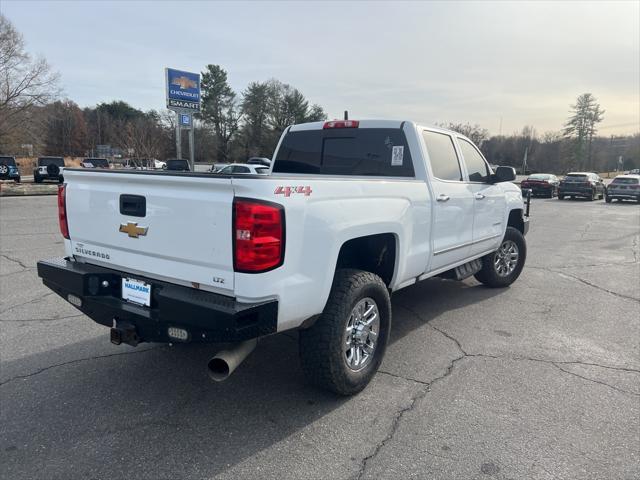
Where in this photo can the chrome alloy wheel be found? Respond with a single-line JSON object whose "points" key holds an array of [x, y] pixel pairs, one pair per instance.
{"points": [[506, 258], [361, 334]]}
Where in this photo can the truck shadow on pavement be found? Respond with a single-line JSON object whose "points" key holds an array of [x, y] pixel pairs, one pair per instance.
{"points": [[152, 412]]}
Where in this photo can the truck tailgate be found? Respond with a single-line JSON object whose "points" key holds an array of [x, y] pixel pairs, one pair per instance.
{"points": [[181, 234]]}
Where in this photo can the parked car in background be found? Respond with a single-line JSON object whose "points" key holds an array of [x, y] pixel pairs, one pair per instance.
{"points": [[95, 163], [541, 184], [581, 184], [9, 169], [624, 187], [49, 168], [635, 171], [259, 161], [244, 168], [178, 164]]}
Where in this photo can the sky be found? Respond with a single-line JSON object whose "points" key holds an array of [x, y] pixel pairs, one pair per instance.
{"points": [[502, 65]]}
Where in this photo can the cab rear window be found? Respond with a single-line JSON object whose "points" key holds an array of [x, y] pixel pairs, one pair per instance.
{"points": [[576, 178], [625, 181], [8, 161], [351, 151]]}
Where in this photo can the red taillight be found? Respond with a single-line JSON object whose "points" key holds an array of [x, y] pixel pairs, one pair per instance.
{"points": [[258, 235], [341, 124], [62, 210]]}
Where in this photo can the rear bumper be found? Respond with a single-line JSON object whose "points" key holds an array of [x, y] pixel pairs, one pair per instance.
{"points": [[539, 190], [630, 194], [207, 317], [10, 176], [575, 191]]}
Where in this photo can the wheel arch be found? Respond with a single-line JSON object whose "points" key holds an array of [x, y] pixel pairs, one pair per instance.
{"points": [[376, 253]]}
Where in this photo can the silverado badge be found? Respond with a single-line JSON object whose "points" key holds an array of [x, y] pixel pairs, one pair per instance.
{"points": [[133, 230]]}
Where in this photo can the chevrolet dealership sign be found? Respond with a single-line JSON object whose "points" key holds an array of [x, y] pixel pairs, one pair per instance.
{"points": [[183, 90]]}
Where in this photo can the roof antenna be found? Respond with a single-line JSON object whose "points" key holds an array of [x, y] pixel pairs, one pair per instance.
{"points": [[346, 115]]}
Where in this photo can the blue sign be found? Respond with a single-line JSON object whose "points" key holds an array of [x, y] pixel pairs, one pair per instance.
{"points": [[185, 119], [183, 90]]}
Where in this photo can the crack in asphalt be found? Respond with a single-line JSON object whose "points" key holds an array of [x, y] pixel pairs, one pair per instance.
{"points": [[55, 319], [593, 380], [77, 360], [395, 424], [585, 282], [556, 364], [15, 260], [420, 394], [33, 300]]}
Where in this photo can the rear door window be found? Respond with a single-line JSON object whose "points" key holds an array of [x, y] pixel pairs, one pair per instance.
{"points": [[442, 156], [476, 166], [349, 151], [625, 181], [44, 161]]}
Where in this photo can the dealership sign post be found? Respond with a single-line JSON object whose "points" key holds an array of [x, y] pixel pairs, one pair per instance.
{"points": [[183, 97]]}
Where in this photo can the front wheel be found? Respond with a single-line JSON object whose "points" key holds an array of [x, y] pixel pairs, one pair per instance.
{"points": [[560, 196], [502, 267], [343, 349], [607, 198]]}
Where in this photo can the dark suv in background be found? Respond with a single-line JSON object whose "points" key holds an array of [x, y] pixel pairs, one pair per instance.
{"points": [[95, 163], [178, 165], [581, 184], [49, 168], [9, 169]]}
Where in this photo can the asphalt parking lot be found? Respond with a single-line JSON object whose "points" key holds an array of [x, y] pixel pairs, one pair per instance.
{"points": [[540, 380]]}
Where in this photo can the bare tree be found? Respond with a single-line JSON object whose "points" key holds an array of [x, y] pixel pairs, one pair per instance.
{"points": [[24, 82], [475, 133]]}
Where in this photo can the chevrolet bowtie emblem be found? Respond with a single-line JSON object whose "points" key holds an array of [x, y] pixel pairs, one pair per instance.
{"points": [[133, 230], [184, 82]]}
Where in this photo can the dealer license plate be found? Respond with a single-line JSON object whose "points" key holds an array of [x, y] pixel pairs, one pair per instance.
{"points": [[136, 291]]}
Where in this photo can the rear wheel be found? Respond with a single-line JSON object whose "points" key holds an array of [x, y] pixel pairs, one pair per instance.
{"points": [[607, 198], [560, 196], [343, 349], [502, 267], [37, 178]]}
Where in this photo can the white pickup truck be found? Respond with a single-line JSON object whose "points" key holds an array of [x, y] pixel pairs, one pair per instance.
{"points": [[350, 212]]}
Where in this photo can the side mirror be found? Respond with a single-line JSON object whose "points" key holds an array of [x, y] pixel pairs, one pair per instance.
{"points": [[504, 174]]}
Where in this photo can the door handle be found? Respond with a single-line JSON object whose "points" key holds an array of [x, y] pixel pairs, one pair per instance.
{"points": [[479, 196], [442, 198]]}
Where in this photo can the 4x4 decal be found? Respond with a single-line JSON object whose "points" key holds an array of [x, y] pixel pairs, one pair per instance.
{"points": [[287, 191]]}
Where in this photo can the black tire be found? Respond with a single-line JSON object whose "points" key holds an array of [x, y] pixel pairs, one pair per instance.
{"points": [[37, 178], [17, 179], [560, 196], [488, 274], [322, 347], [61, 179], [607, 198]]}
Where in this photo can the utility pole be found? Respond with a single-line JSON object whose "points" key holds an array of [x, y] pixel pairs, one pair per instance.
{"points": [[178, 137]]}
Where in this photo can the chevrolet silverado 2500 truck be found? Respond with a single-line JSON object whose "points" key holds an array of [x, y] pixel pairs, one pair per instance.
{"points": [[351, 211]]}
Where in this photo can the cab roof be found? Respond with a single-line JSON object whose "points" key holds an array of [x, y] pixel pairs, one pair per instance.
{"points": [[374, 123]]}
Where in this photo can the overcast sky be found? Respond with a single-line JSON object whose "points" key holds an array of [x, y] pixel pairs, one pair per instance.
{"points": [[425, 61]]}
